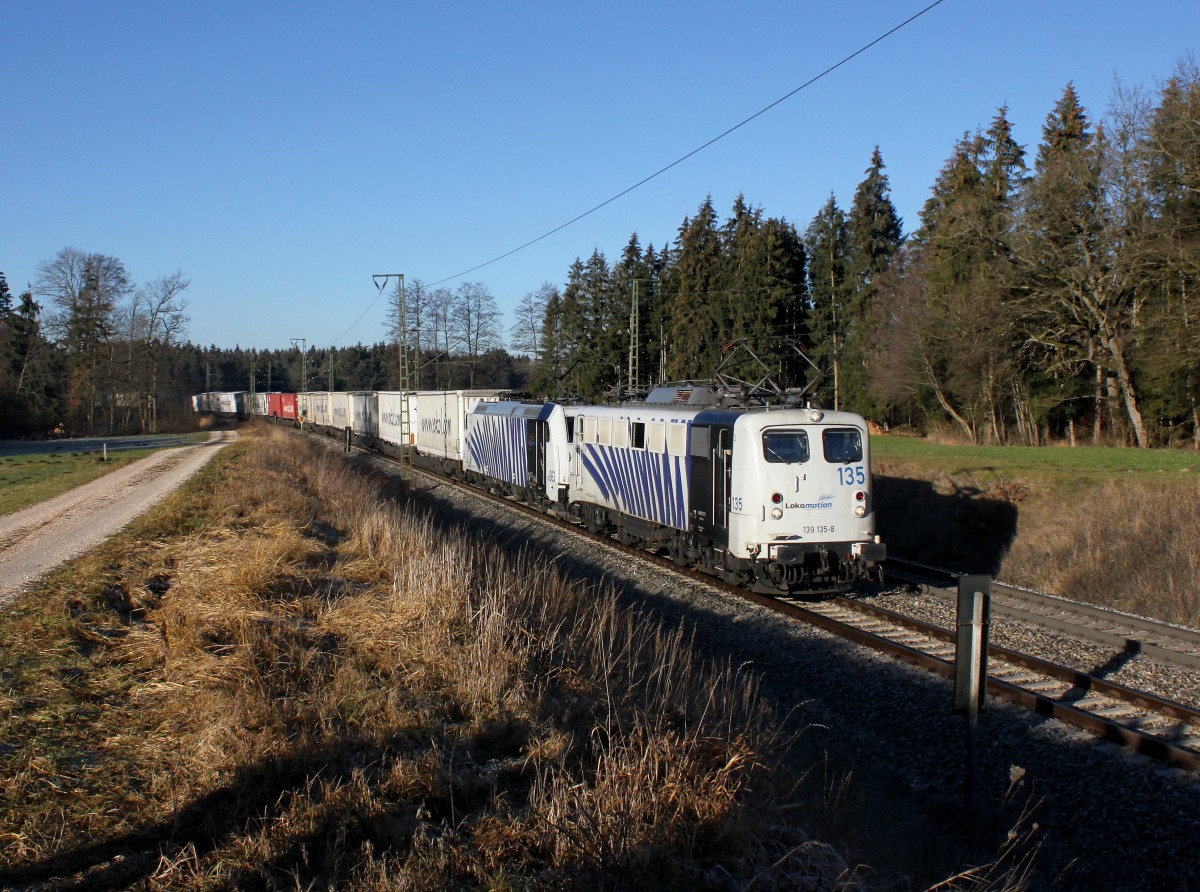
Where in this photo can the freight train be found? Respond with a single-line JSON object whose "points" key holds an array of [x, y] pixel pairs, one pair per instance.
{"points": [[778, 499]]}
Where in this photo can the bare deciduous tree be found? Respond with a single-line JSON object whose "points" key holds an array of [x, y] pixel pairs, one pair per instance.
{"points": [[84, 290], [526, 332], [159, 321]]}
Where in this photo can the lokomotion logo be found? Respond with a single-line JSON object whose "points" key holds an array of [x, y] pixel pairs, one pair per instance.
{"points": [[824, 500]]}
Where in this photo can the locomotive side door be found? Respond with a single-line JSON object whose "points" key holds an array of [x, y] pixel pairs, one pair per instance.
{"points": [[722, 467], [537, 435], [710, 446]]}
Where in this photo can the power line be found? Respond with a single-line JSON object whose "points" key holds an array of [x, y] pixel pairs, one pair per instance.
{"points": [[808, 83], [696, 151]]}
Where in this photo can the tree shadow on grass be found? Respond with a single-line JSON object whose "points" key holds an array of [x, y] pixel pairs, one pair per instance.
{"points": [[967, 530]]}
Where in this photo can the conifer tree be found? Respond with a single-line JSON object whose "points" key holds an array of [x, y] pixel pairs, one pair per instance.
{"points": [[550, 368], [742, 302], [874, 238], [827, 244], [693, 346], [1169, 348], [1080, 253], [635, 287], [6, 304], [965, 353]]}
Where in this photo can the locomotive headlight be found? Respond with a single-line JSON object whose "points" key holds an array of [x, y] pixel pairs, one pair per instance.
{"points": [[776, 513], [860, 510], [815, 415], [753, 548]]}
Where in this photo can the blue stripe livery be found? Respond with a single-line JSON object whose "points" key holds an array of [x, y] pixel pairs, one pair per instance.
{"points": [[649, 485], [496, 444]]}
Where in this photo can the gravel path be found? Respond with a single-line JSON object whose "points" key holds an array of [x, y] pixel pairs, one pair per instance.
{"points": [[1100, 818], [36, 540]]}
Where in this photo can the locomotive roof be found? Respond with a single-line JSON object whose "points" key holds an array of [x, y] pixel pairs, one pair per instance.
{"points": [[537, 411]]}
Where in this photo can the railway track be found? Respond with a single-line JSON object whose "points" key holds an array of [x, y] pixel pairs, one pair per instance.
{"points": [[1136, 720], [1132, 635], [1144, 723]]}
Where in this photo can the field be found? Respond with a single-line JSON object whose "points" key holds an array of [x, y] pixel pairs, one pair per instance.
{"points": [[1116, 527], [290, 676], [28, 479], [1051, 466]]}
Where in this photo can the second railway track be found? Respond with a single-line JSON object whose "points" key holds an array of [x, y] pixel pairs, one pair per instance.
{"points": [[1135, 635]]}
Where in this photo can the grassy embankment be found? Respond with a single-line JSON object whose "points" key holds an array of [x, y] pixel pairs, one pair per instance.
{"points": [[279, 678], [1113, 526]]}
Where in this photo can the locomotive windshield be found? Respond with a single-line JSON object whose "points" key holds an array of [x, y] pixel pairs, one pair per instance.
{"points": [[785, 447], [842, 445]]}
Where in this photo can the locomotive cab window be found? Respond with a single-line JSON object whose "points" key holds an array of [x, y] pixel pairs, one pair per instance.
{"points": [[785, 447], [842, 445]]}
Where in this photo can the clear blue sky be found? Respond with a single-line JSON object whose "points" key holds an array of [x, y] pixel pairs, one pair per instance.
{"points": [[280, 154]]}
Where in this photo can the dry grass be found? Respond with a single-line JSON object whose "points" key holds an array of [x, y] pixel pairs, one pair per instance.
{"points": [[1132, 547], [1080, 529], [283, 680]]}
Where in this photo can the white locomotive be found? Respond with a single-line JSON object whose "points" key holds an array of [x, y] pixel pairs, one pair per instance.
{"points": [[775, 498]]}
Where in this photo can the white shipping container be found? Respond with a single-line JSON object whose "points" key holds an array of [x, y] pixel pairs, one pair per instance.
{"points": [[436, 419], [318, 403], [363, 413], [339, 408], [439, 419], [388, 418]]}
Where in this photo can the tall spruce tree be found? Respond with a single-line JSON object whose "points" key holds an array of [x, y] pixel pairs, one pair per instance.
{"points": [[827, 244], [590, 328], [6, 301], [693, 347], [1081, 250], [874, 238], [966, 351], [744, 297], [634, 289], [1168, 349], [1059, 231]]}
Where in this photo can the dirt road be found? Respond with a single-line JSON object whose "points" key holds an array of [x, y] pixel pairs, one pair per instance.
{"points": [[39, 538]]}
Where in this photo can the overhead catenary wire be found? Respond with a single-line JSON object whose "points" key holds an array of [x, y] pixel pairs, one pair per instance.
{"points": [[762, 111], [808, 83]]}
